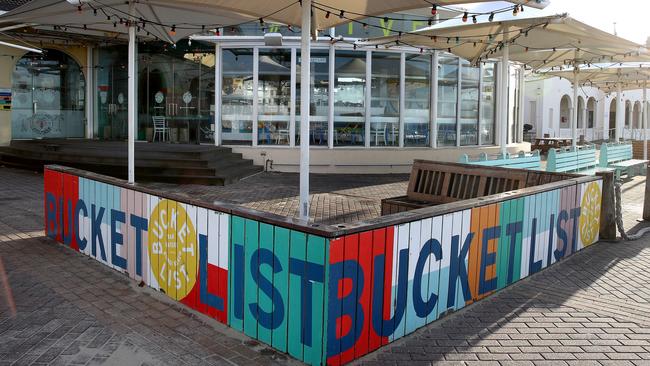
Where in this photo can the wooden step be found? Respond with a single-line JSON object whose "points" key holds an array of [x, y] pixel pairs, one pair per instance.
{"points": [[158, 162]]}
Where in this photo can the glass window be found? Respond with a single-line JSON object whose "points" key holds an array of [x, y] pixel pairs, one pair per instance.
{"points": [[176, 89], [384, 106], [318, 111], [111, 75], [205, 95], [349, 98], [237, 96], [488, 101], [469, 96], [417, 98], [274, 96], [447, 100], [48, 97]]}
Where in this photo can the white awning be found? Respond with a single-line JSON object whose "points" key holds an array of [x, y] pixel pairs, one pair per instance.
{"points": [[192, 16], [606, 78], [538, 42]]}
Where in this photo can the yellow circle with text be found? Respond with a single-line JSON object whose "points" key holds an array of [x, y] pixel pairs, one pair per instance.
{"points": [[590, 214], [172, 248]]}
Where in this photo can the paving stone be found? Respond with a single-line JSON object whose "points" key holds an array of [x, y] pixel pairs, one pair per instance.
{"points": [[590, 308], [71, 309]]}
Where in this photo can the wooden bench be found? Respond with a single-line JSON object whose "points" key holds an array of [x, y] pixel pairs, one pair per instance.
{"points": [[520, 161], [619, 157], [433, 183], [580, 160]]}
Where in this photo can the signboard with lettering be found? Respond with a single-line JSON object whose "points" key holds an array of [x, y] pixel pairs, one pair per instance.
{"points": [[5, 99], [322, 300]]}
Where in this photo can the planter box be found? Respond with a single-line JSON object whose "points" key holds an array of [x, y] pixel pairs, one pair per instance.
{"points": [[289, 283]]}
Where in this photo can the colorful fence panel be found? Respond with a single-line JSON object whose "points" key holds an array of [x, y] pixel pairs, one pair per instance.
{"points": [[321, 299]]}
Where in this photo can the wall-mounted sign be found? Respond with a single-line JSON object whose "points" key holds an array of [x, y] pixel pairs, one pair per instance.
{"points": [[5, 99]]}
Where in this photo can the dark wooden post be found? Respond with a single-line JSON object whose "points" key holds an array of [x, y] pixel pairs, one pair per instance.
{"points": [[646, 198], [608, 209]]}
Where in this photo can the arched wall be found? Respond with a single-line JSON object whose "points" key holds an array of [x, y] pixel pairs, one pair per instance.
{"points": [[9, 56]]}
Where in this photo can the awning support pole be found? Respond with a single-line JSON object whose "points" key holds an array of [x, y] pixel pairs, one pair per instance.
{"points": [[131, 103], [503, 93], [644, 120], [620, 114], [574, 110], [305, 88]]}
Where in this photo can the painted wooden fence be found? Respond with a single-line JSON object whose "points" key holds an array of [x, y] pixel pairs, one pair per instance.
{"points": [[322, 295]]}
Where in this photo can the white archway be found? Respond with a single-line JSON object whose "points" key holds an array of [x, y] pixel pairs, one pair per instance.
{"points": [[565, 112], [591, 112], [636, 115]]}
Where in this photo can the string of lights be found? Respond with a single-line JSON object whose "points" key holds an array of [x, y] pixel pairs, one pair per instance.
{"points": [[117, 16], [341, 13]]}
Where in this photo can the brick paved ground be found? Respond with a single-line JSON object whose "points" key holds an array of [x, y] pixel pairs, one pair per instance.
{"points": [[590, 309], [334, 199], [73, 310]]}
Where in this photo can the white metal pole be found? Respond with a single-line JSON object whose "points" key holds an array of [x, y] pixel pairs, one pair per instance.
{"points": [[131, 103], [644, 121], [90, 82], [620, 114], [292, 99], [305, 77], [434, 102], [218, 57], [583, 111], [574, 110], [503, 98]]}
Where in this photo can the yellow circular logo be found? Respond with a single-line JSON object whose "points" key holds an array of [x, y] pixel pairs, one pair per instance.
{"points": [[172, 249], [590, 214]]}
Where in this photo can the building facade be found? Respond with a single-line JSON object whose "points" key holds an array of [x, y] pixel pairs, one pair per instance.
{"points": [[548, 103], [372, 110]]}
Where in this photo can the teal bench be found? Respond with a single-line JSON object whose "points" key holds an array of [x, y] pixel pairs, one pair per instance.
{"points": [[580, 160], [520, 161], [619, 157]]}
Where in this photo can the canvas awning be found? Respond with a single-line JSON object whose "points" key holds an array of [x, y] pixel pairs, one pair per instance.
{"points": [[606, 78], [104, 17], [538, 42], [194, 16]]}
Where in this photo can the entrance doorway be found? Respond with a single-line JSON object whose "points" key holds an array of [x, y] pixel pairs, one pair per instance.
{"points": [[48, 97]]}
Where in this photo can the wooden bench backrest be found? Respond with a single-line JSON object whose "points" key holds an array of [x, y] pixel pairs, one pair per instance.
{"points": [[442, 183], [571, 159], [612, 153], [520, 161]]}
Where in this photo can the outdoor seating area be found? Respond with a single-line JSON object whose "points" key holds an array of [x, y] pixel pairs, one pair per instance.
{"points": [[587, 160], [323, 179]]}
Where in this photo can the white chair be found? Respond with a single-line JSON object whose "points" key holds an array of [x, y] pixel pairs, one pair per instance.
{"points": [[282, 134], [160, 128]]}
